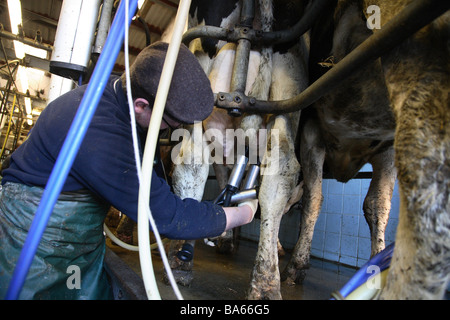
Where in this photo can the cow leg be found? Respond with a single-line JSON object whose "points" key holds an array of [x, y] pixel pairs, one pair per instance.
{"points": [[274, 193], [420, 267], [312, 157], [377, 203], [417, 76], [217, 124], [189, 178], [280, 170], [125, 229], [181, 270]]}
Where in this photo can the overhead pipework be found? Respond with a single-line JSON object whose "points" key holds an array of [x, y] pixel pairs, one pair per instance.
{"points": [[411, 19]]}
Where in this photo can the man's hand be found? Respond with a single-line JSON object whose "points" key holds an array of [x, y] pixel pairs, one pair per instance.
{"points": [[240, 215], [253, 204]]}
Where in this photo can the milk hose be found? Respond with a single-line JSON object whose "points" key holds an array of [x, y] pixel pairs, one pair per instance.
{"points": [[126, 245], [69, 149], [358, 282], [144, 213], [148, 273], [369, 292]]}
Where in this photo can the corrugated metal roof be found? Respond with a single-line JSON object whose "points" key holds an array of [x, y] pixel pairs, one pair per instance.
{"points": [[157, 15], [43, 15], [40, 17]]}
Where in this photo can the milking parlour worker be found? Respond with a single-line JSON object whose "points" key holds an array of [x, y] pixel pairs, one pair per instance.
{"points": [[103, 174]]}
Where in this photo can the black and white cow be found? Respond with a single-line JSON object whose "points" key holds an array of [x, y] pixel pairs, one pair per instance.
{"points": [[273, 74], [414, 81], [347, 128], [417, 75]]}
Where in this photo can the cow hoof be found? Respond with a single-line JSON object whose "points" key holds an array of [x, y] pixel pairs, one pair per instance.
{"points": [[294, 277], [269, 294], [225, 246], [182, 277]]}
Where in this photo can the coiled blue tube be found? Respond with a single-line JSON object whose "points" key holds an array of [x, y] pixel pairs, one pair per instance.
{"points": [[382, 260], [70, 148]]}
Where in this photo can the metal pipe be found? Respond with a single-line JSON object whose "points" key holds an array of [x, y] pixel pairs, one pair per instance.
{"points": [[251, 177], [206, 32], [244, 195], [241, 60], [305, 23], [257, 37], [247, 13], [411, 19], [238, 172], [103, 26], [240, 68], [28, 41]]}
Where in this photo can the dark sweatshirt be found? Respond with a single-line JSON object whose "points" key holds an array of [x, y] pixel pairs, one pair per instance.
{"points": [[105, 165]]}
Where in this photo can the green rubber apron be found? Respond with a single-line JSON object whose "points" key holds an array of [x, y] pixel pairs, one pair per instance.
{"points": [[69, 260]]}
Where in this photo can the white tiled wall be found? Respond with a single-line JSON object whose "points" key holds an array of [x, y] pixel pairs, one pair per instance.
{"points": [[341, 233]]}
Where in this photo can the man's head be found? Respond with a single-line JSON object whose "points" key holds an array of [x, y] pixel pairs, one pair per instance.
{"points": [[190, 97]]}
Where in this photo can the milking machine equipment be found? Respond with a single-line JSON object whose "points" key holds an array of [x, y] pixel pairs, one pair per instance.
{"points": [[410, 20], [235, 192], [74, 38]]}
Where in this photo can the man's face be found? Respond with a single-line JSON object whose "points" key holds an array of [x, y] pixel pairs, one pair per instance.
{"points": [[143, 112], [169, 122]]}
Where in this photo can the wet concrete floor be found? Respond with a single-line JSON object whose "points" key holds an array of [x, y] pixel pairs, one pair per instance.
{"points": [[227, 277]]}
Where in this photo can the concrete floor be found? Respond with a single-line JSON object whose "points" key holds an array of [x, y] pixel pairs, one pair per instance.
{"points": [[226, 277]]}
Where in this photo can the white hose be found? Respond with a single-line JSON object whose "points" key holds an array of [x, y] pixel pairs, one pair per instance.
{"points": [[367, 292], [144, 212], [125, 245], [144, 245], [117, 241]]}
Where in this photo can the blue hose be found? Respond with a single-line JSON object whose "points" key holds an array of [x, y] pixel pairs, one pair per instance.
{"points": [[70, 148], [382, 260]]}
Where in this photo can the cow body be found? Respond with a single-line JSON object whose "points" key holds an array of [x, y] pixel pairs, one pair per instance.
{"points": [[417, 74], [273, 74], [402, 97], [190, 174], [415, 79], [347, 128]]}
